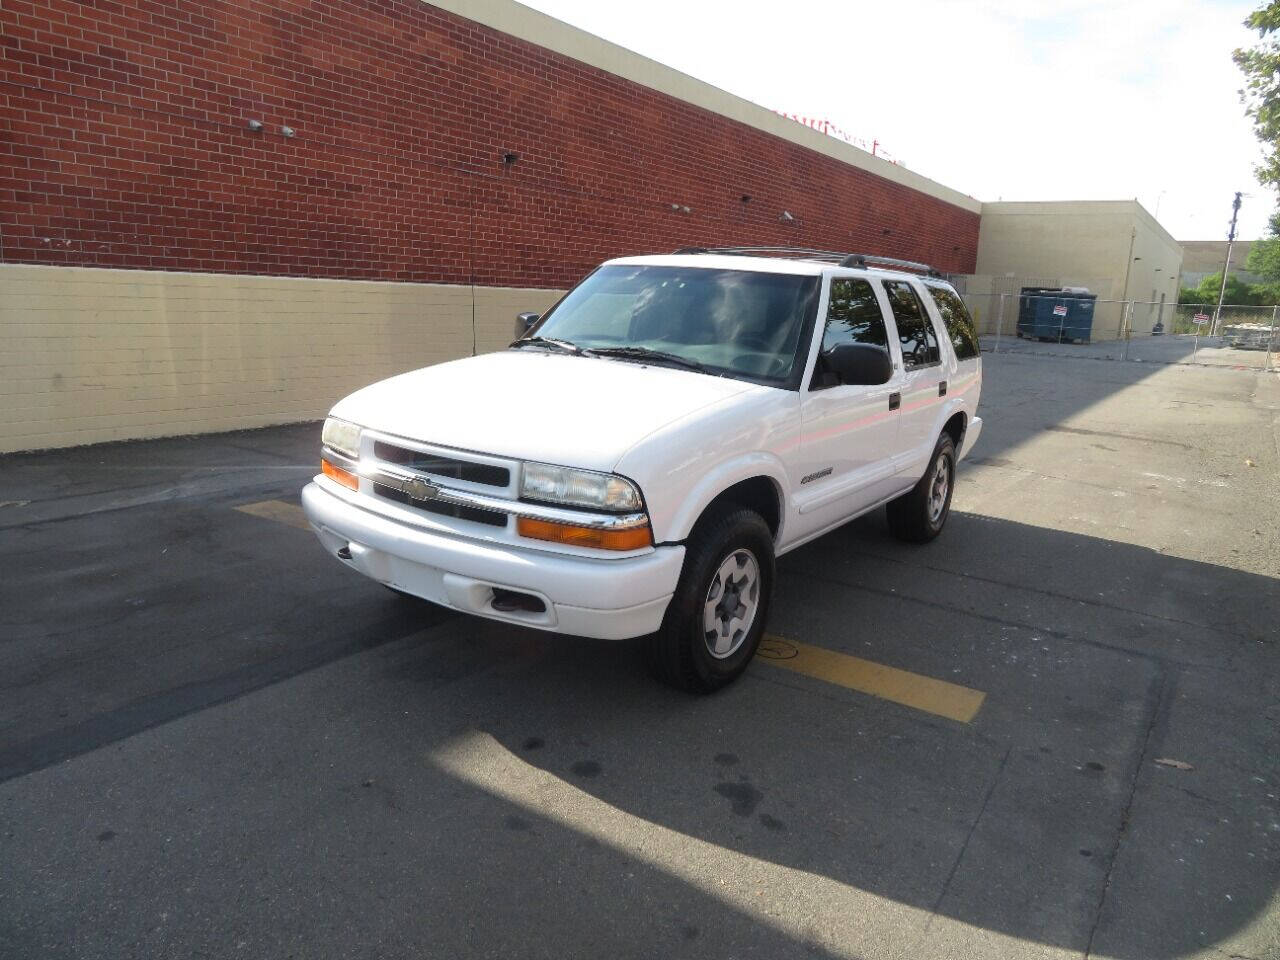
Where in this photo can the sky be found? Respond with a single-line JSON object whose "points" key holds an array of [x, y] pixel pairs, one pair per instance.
{"points": [[1002, 100]]}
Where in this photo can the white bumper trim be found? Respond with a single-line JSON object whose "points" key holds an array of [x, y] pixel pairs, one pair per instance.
{"points": [[602, 598], [971, 435]]}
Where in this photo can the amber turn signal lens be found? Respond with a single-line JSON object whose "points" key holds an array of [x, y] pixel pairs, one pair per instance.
{"points": [[338, 475], [632, 538]]}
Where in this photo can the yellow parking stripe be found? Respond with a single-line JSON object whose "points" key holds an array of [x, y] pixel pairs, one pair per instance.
{"points": [[938, 697], [277, 510]]}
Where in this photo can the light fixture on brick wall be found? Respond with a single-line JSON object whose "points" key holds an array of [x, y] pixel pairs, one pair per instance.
{"points": [[680, 208], [787, 217], [288, 131], [255, 126]]}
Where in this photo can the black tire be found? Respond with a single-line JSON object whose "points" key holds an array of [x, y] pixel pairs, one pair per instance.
{"points": [[914, 516], [680, 652]]}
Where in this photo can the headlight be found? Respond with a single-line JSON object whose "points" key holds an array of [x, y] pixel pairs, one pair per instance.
{"points": [[579, 488], [342, 437]]}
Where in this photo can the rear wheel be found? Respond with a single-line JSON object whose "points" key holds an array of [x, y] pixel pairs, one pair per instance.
{"points": [[716, 617], [920, 514]]}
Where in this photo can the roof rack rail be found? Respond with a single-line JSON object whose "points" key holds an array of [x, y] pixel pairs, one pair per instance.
{"points": [[855, 260], [871, 260]]}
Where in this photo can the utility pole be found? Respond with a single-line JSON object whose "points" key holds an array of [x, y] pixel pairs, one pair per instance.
{"points": [[1231, 239], [1124, 311]]}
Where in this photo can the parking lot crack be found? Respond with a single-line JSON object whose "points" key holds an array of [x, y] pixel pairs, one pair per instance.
{"points": [[1002, 463], [1081, 431], [1048, 631], [973, 827], [1162, 697]]}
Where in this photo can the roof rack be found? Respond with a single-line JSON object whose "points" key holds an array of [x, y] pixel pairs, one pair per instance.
{"points": [[856, 260]]}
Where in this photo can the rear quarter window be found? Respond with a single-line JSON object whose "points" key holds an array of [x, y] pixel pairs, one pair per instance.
{"points": [[955, 317]]}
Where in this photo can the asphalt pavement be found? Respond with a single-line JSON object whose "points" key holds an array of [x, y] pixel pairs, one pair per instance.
{"points": [[1182, 348], [1050, 733]]}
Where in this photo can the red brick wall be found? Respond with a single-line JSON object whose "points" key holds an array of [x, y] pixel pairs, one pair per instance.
{"points": [[125, 144]]}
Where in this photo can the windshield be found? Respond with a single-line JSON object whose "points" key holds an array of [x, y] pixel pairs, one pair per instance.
{"points": [[735, 323]]}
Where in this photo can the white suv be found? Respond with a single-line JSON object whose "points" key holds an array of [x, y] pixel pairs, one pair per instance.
{"points": [[633, 465]]}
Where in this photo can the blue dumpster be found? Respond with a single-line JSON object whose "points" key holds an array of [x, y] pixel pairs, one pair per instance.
{"points": [[1063, 315]]}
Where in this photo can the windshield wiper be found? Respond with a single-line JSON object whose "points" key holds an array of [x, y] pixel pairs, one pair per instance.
{"points": [[564, 346], [644, 353]]}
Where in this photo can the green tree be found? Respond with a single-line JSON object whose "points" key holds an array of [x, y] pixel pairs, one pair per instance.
{"points": [[1239, 293], [1261, 94], [1264, 255]]}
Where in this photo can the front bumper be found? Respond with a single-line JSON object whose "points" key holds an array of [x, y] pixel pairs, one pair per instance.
{"points": [[583, 596]]}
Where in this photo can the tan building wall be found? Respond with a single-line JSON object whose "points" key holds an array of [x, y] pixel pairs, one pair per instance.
{"points": [[1114, 248], [88, 355], [1202, 258]]}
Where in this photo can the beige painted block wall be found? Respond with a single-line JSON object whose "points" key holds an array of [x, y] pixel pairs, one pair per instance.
{"points": [[496, 310], [1087, 244], [88, 355]]}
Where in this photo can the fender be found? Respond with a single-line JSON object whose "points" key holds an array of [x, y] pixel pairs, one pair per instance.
{"points": [[677, 526], [949, 410], [914, 461]]}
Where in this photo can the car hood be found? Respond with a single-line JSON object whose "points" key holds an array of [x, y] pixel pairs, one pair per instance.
{"points": [[534, 405]]}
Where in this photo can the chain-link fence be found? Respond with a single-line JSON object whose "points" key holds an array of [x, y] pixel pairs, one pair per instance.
{"points": [[1071, 322]]}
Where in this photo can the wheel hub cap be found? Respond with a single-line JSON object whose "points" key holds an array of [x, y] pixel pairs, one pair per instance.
{"points": [[731, 603], [938, 488]]}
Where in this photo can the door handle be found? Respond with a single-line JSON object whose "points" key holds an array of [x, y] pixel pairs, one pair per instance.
{"points": [[895, 401], [942, 388]]}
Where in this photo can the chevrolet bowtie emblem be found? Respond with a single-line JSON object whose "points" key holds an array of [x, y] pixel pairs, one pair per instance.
{"points": [[419, 489]]}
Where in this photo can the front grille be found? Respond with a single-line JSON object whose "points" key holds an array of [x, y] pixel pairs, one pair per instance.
{"points": [[441, 466], [489, 517]]}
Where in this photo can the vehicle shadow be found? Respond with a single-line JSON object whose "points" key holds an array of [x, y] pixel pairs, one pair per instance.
{"points": [[1025, 393], [1163, 350], [1047, 819]]}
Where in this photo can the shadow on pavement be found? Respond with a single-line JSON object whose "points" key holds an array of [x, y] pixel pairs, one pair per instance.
{"points": [[1013, 825], [1025, 395], [1165, 349], [595, 812]]}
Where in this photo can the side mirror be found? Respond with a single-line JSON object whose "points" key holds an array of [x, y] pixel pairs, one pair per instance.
{"points": [[525, 321], [859, 364]]}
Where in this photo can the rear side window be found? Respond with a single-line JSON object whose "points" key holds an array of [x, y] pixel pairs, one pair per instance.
{"points": [[919, 342], [955, 317]]}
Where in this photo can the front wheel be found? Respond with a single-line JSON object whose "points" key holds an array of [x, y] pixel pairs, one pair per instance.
{"points": [[716, 617], [920, 514]]}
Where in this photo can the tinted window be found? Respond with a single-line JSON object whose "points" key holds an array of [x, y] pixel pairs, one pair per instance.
{"points": [[964, 337], [919, 342], [853, 316], [738, 323]]}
